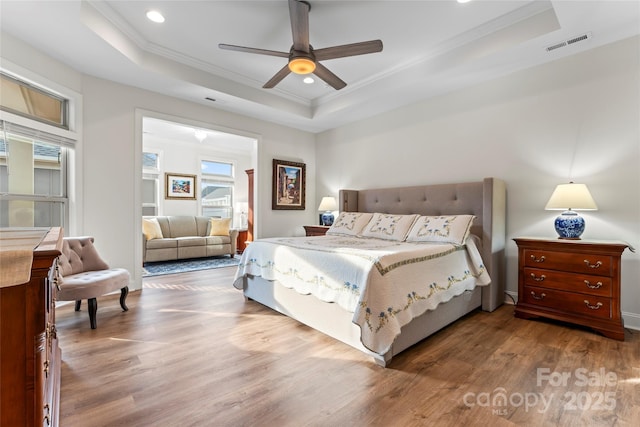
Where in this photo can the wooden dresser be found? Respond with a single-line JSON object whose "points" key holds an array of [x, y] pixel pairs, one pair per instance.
{"points": [[576, 281], [30, 357]]}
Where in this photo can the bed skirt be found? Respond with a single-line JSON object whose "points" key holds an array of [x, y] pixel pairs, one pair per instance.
{"points": [[314, 313]]}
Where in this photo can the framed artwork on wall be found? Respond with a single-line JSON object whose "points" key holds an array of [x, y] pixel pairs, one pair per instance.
{"points": [[289, 180], [180, 186]]}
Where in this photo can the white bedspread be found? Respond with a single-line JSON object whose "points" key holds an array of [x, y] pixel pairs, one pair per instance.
{"points": [[384, 283]]}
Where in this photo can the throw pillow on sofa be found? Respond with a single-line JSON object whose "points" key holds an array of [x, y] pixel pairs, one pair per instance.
{"points": [[151, 228], [219, 226]]}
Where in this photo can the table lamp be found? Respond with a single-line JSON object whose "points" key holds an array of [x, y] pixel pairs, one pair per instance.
{"points": [[327, 205], [569, 198]]}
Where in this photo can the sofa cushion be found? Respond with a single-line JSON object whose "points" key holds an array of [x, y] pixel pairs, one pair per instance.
{"points": [[182, 226], [165, 243], [191, 241], [218, 240], [151, 228], [219, 226]]}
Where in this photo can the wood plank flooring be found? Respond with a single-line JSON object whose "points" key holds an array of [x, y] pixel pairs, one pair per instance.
{"points": [[191, 352]]}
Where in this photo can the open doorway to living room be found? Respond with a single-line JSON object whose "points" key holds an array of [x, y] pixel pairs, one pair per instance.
{"points": [[193, 170]]}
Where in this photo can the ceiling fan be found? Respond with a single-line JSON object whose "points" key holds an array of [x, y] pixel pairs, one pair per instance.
{"points": [[303, 58]]}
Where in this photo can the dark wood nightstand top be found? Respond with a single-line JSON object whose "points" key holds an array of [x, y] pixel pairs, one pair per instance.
{"points": [[316, 230]]}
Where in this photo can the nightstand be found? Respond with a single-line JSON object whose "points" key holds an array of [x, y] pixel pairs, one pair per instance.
{"points": [[576, 281], [241, 242], [316, 230]]}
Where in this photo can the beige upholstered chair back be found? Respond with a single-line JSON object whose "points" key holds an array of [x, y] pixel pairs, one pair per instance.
{"points": [[78, 255]]}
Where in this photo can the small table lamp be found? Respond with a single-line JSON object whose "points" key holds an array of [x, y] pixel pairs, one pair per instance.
{"points": [[243, 207], [570, 197], [328, 205]]}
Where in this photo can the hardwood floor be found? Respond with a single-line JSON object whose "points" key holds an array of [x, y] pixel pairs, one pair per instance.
{"points": [[191, 352]]}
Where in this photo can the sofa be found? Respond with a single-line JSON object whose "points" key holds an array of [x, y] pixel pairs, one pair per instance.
{"points": [[167, 238]]}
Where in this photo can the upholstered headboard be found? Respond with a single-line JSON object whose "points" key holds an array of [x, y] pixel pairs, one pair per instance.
{"points": [[485, 199]]}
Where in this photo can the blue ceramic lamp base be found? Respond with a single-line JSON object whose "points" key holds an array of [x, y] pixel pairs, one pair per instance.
{"points": [[569, 225], [327, 218]]}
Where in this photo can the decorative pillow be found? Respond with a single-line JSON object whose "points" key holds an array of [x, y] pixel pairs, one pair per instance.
{"points": [[219, 226], [350, 223], [151, 228], [389, 227], [444, 229]]}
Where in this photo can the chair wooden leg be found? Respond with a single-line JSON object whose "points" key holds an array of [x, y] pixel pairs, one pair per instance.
{"points": [[78, 305], [123, 296], [93, 309]]}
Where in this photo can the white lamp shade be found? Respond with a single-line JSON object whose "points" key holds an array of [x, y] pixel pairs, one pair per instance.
{"points": [[328, 204], [242, 207], [571, 197]]}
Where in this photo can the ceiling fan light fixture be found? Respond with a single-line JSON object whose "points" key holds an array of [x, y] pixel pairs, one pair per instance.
{"points": [[302, 65]]}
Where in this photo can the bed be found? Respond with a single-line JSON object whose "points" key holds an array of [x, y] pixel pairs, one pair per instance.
{"points": [[345, 313]]}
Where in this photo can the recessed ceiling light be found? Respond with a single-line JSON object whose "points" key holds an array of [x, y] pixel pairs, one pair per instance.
{"points": [[464, 1], [155, 16], [200, 135], [308, 80]]}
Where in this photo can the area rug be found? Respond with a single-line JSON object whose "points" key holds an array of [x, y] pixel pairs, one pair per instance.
{"points": [[182, 266]]}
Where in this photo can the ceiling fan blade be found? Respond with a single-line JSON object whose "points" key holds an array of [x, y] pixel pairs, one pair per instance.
{"points": [[253, 50], [352, 49], [299, 14], [284, 72], [330, 78]]}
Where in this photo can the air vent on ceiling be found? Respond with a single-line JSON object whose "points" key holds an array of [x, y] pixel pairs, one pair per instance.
{"points": [[569, 42]]}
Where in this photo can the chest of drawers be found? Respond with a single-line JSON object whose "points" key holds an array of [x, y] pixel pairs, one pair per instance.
{"points": [[29, 351], [575, 281]]}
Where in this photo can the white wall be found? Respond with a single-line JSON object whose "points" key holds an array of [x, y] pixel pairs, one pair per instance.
{"points": [[577, 118], [108, 156], [184, 157], [112, 184]]}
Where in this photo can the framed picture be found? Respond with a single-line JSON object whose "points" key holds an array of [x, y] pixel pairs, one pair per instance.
{"points": [[289, 180], [179, 186]]}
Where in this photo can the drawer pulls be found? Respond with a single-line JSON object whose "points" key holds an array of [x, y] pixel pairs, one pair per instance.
{"points": [[593, 307], [542, 277], [536, 259], [542, 258], [596, 265], [542, 295], [598, 285], [47, 415]]}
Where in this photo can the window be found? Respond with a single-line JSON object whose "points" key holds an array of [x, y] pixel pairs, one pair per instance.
{"points": [[216, 189], [23, 99], [151, 161], [32, 177], [150, 183]]}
